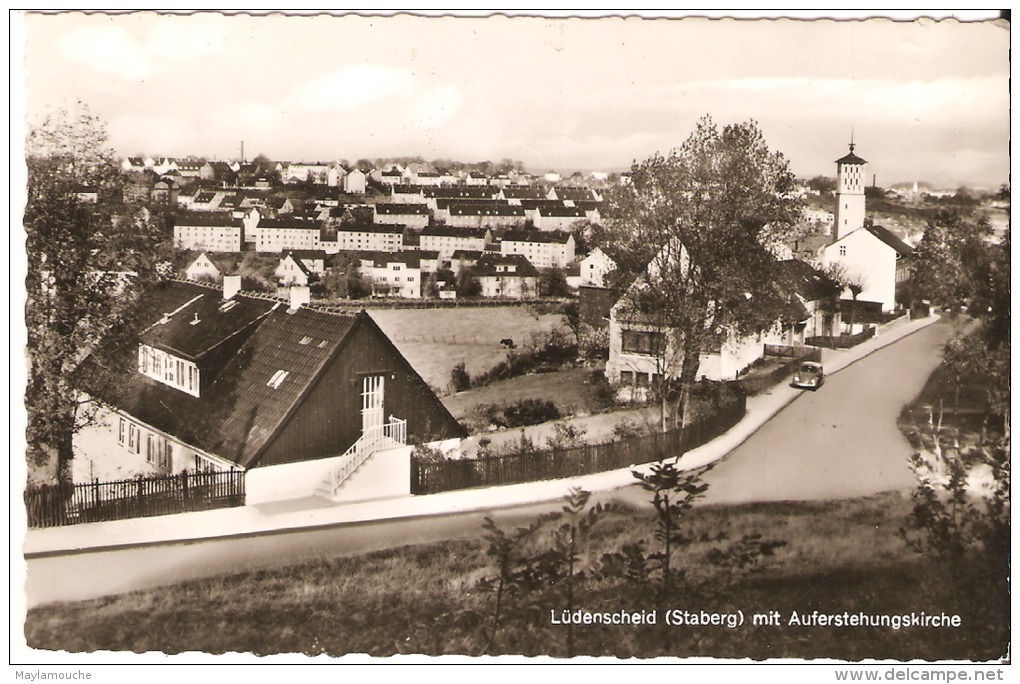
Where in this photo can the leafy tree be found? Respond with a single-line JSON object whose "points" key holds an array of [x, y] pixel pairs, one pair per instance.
{"points": [[344, 280], [694, 229], [77, 252], [468, 284], [553, 283], [952, 262]]}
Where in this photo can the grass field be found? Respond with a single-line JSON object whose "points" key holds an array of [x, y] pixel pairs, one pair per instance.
{"points": [[839, 556], [436, 340]]}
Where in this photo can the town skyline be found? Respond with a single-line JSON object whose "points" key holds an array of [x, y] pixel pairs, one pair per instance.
{"points": [[928, 101]]}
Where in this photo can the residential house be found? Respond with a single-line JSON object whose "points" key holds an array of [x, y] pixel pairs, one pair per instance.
{"points": [[284, 234], [464, 258], [294, 396], [407, 194], [878, 259], [448, 239], [515, 193], [355, 182], [483, 215], [595, 267], [214, 232], [507, 276], [392, 274], [357, 237], [392, 176], [552, 249], [558, 218], [410, 215], [190, 169], [301, 267], [212, 266], [206, 201], [476, 178]]}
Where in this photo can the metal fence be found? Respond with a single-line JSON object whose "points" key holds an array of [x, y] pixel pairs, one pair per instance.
{"points": [[56, 505], [553, 464]]}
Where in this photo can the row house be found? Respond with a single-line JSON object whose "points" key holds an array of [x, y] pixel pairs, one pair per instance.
{"points": [[508, 276], [574, 194], [448, 239], [476, 178], [552, 249], [190, 169], [223, 380], [410, 215], [482, 215], [407, 194], [356, 237], [321, 173], [391, 176], [558, 218], [458, 192], [281, 235], [213, 232], [515, 193]]}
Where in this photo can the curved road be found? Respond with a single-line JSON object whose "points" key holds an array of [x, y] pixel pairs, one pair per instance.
{"points": [[838, 442]]}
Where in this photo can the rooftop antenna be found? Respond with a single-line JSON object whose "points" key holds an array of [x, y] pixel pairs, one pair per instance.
{"points": [[851, 138], [242, 151]]}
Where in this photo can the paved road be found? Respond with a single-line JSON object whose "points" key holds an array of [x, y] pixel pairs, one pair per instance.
{"points": [[839, 442]]}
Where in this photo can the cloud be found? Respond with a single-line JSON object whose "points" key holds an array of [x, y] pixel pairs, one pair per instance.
{"points": [[437, 107], [107, 49], [351, 88]]}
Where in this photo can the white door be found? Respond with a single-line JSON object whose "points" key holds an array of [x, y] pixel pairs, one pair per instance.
{"points": [[372, 404]]}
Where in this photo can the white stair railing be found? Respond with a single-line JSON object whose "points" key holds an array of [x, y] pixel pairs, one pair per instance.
{"points": [[392, 433]]}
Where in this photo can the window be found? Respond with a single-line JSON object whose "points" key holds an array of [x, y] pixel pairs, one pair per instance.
{"points": [[640, 342], [121, 432], [627, 377], [277, 379], [150, 449], [132, 438], [842, 249]]}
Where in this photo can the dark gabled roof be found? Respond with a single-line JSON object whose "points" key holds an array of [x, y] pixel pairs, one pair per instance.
{"points": [[174, 309], [462, 192], [562, 212], [806, 280], [454, 231], [225, 262], [307, 253], [292, 223], [383, 259], [484, 209], [370, 228], [242, 411], [204, 197], [297, 261], [538, 236], [399, 209], [540, 203], [486, 265], [208, 218], [568, 193], [525, 192], [407, 189], [231, 201], [888, 238], [467, 254]]}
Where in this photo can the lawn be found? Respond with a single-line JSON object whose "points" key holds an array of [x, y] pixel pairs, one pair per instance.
{"points": [[433, 598], [436, 340], [571, 390]]}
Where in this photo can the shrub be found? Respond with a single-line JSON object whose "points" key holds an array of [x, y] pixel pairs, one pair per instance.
{"points": [[566, 435], [460, 380], [517, 414]]}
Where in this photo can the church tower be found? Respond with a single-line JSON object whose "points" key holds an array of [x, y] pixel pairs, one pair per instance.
{"points": [[849, 195]]}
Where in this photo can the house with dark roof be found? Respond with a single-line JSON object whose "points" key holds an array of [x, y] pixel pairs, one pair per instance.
{"points": [[314, 402], [544, 249], [212, 266], [448, 239], [509, 276], [401, 213], [300, 267]]}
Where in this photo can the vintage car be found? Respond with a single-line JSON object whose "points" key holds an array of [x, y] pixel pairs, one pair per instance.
{"points": [[809, 376]]}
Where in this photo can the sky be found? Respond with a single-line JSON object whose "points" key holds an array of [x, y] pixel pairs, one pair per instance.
{"points": [[923, 100]]}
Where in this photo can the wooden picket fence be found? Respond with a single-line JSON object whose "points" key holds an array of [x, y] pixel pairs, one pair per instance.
{"points": [[553, 464], [57, 505], [842, 341]]}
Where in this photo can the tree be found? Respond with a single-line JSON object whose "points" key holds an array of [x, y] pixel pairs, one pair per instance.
{"points": [[952, 261], [695, 227], [468, 284], [553, 283], [78, 251]]}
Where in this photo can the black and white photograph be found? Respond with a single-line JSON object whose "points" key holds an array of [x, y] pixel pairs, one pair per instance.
{"points": [[505, 338]]}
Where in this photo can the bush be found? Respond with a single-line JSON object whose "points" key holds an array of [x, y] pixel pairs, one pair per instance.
{"points": [[517, 414], [460, 380], [545, 355]]}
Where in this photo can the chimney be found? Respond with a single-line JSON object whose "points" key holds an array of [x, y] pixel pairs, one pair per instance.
{"points": [[231, 286], [299, 296]]}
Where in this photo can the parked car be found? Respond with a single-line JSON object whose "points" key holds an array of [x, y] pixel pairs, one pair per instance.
{"points": [[809, 376]]}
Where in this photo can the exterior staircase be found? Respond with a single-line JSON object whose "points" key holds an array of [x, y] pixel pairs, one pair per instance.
{"points": [[385, 436]]}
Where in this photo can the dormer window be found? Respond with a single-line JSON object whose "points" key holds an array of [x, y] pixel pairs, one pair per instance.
{"points": [[168, 369]]}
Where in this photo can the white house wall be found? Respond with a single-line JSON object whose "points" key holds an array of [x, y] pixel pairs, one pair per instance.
{"points": [[872, 260]]}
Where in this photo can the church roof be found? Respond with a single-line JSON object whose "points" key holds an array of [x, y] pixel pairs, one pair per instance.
{"points": [[851, 158]]}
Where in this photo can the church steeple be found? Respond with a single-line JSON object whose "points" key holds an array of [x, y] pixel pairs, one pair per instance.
{"points": [[849, 193]]}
